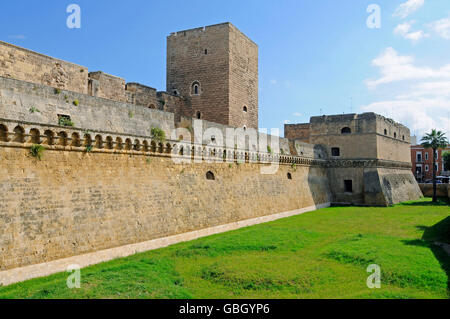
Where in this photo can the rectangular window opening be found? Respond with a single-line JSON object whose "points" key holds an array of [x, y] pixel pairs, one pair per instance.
{"points": [[348, 186]]}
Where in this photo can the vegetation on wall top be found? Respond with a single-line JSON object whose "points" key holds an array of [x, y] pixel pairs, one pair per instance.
{"points": [[158, 134]]}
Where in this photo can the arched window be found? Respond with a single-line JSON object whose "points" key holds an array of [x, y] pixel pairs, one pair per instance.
{"points": [[75, 139], [199, 115], [3, 133], [49, 137], [395, 135], [98, 141], [346, 130], [385, 132], [210, 176], [109, 142], [195, 88], [128, 144], [62, 138], [119, 144], [19, 134], [289, 175], [152, 106], [245, 109], [35, 136]]}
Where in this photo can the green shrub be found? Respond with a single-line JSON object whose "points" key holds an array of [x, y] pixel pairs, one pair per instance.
{"points": [[63, 121], [89, 148], [37, 151], [269, 149], [76, 102], [158, 134], [33, 110], [57, 91], [130, 115]]}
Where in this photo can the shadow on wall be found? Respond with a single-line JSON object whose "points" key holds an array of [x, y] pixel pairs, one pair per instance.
{"points": [[319, 186], [439, 232]]}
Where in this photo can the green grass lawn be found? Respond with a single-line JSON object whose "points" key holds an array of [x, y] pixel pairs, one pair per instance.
{"points": [[321, 254]]}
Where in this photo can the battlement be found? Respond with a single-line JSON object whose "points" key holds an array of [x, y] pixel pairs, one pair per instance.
{"points": [[205, 29]]}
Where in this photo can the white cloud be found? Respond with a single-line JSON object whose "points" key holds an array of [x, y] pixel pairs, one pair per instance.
{"points": [[394, 67], [408, 7], [441, 27], [423, 101], [297, 114], [273, 82], [287, 122], [404, 29], [428, 89], [420, 115]]}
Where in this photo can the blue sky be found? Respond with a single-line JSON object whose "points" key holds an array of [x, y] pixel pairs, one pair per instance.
{"points": [[315, 57]]}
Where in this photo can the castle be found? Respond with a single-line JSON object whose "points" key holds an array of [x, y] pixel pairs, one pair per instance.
{"points": [[107, 187]]}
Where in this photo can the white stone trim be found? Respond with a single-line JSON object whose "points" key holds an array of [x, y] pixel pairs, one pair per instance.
{"points": [[12, 276]]}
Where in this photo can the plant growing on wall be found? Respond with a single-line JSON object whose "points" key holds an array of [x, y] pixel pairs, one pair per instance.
{"points": [[130, 114], [294, 166], [76, 102], [63, 121], [158, 134], [33, 110], [57, 91], [89, 148], [269, 149], [37, 151]]}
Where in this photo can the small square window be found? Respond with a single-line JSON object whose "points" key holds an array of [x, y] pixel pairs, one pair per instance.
{"points": [[335, 151]]}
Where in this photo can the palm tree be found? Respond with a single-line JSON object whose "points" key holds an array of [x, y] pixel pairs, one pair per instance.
{"points": [[435, 140]]}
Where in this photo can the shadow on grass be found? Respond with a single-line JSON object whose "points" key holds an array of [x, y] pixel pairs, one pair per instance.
{"points": [[442, 201], [439, 232]]}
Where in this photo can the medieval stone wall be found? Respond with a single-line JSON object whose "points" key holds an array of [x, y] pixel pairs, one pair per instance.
{"points": [[107, 86], [26, 65], [299, 132], [72, 202], [41, 104], [243, 80], [223, 62]]}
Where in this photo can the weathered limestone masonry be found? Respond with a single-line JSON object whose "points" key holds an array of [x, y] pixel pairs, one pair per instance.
{"points": [[73, 202], [217, 68], [107, 188], [442, 190], [369, 157], [26, 65]]}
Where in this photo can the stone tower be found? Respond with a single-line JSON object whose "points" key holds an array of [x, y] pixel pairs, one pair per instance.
{"points": [[216, 69]]}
